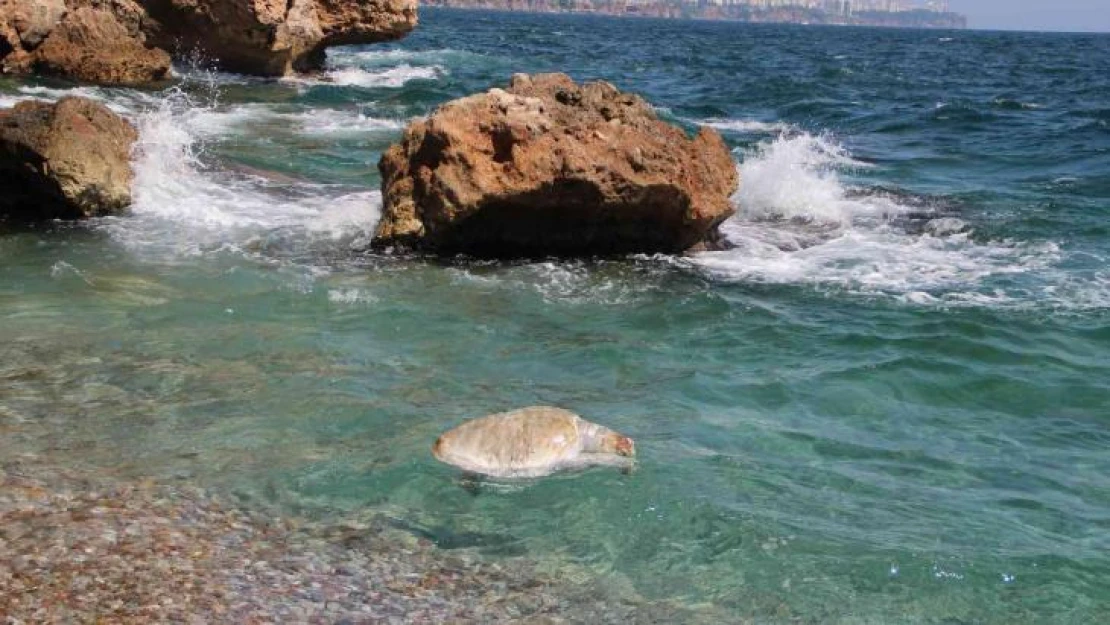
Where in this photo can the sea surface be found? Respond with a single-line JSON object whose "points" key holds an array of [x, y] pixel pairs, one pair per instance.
{"points": [[889, 403]]}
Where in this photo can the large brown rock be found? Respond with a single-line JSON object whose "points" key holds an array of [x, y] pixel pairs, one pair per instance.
{"points": [[25, 23], [63, 161], [275, 37], [98, 45], [91, 40], [130, 41], [548, 167]]}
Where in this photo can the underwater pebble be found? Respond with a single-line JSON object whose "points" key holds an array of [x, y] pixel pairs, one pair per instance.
{"points": [[142, 553]]}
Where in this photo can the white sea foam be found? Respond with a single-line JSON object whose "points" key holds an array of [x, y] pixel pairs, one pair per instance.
{"points": [[173, 182], [345, 66], [565, 282], [798, 223], [391, 77], [374, 55], [127, 102], [344, 122], [747, 126], [183, 205], [351, 296], [8, 100], [45, 94], [214, 122], [798, 177], [375, 69]]}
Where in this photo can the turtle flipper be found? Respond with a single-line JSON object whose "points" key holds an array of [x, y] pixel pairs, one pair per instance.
{"points": [[471, 483], [624, 464]]}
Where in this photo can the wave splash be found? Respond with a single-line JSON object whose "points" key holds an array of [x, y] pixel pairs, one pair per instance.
{"points": [[387, 78], [799, 222], [186, 202], [358, 67]]}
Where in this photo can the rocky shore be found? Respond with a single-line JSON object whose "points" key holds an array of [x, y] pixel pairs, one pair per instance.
{"points": [[544, 167], [80, 549]]}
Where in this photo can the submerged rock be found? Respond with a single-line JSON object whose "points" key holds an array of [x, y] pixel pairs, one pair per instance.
{"points": [[130, 41], [63, 161], [550, 167]]}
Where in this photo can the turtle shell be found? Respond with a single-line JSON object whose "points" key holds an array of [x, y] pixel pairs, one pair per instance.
{"points": [[526, 442]]}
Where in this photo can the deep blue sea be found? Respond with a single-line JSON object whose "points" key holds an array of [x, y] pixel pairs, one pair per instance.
{"points": [[889, 403]]}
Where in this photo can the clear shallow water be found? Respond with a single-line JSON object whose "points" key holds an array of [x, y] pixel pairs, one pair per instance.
{"points": [[890, 403]]}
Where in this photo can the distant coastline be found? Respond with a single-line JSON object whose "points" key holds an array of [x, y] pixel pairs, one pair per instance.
{"points": [[888, 13]]}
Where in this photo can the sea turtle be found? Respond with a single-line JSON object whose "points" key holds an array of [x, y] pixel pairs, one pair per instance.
{"points": [[531, 442]]}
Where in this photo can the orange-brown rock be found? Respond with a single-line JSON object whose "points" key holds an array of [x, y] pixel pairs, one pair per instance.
{"points": [[130, 41], [549, 167], [91, 40], [23, 26], [276, 37], [63, 161], [103, 46]]}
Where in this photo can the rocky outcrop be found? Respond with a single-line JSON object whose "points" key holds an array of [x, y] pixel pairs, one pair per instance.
{"points": [[549, 167], [63, 161], [130, 41], [25, 23], [273, 38], [95, 45], [85, 40]]}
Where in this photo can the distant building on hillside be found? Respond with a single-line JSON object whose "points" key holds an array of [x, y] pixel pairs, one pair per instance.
{"points": [[897, 13]]}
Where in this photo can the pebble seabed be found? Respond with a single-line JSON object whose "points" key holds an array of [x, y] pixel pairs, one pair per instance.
{"points": [[79, 550]]}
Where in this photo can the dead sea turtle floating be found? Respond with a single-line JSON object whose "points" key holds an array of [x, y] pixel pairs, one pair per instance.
{"points": [[532, 442]]}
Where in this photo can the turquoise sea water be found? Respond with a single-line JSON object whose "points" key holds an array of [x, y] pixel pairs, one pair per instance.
{"points": [[890, 403]]}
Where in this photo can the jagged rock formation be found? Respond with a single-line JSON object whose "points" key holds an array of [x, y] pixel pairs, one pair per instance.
{"points": [[549, 167], [275, 37], [63, 161], [87, 40], [130, 41]]}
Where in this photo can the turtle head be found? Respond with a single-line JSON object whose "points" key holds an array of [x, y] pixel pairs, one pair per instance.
{"points": [[619, 444], [623, 445], [600, 439]]}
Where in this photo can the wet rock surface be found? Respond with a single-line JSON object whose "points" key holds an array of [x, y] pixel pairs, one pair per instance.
{"points": [[64, 160], [275, 38], [130, 42], [87, 40], [550, 167], [94, 45]]}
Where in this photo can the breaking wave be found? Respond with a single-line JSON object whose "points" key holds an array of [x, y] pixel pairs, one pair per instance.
{"points": [[800, 222], [390, 78], [747, 126], [177, 190], [801, 219]]}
